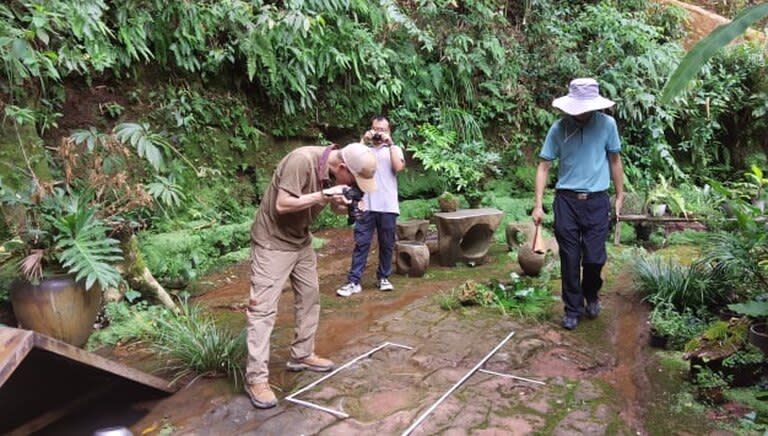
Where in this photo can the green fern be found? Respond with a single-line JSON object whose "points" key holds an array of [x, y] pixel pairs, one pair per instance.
{"points": [[146, 143], [85, 251], [166, 191]]}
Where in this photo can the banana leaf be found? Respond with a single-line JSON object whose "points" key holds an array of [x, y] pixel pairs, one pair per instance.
{"points": [[707, 47]]}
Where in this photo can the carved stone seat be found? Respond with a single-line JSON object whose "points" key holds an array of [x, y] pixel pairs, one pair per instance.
{"points": [[411, 258], [466, 235], [413, 230]]}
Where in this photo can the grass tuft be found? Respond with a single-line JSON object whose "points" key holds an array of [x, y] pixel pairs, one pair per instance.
{"points": [[195, 344]]}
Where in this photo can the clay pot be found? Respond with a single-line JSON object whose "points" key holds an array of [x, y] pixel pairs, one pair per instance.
{"points": [[58, 307], [450, 204], [531, 262]]}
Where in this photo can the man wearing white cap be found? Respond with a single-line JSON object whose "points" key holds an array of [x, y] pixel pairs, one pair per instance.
{"points": [[305, 181], [586, 143]]}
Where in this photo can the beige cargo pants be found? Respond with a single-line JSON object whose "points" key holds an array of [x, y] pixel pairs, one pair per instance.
{"points": [[269, 271]]}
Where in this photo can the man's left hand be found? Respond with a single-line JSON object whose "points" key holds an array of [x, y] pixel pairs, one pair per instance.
{"points": [[618, 203]]}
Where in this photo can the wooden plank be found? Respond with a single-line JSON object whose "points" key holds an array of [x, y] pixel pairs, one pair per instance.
{"points": [[63, 349], [656, 219], [15, 344]]}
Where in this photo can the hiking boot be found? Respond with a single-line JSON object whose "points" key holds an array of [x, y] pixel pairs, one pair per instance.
{"points": [[261, 395], [348, 289], [313, 362], [569, 322], [385, 285], [593, 309]]}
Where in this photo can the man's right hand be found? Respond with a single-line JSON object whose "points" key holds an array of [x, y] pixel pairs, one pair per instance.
{"points": [[537, 215], [335, 195]]}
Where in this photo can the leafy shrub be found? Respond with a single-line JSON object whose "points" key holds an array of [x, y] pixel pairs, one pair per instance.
{"points": [[523, 179], [736, 259], [687, 237], [329, 220], [185, 254], [414, 183], [678, 327], [462, 166], [416, 209], [128, 322]]}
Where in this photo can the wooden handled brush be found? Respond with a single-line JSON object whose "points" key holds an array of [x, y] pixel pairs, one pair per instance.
{"points": [[537, 244]]}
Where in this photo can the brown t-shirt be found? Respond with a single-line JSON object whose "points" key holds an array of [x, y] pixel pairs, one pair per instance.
{"points": [[297, 175]]}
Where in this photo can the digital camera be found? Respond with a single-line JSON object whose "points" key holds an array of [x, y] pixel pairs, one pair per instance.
{"points": [[354, 195]]}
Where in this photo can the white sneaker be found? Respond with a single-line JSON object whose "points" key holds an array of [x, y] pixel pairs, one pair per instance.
{"points": [[348, 289], [385, 285]]}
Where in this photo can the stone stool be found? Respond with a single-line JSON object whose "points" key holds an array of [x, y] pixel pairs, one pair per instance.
{"points": [[413, 230], [411, 258], [466, 235]]}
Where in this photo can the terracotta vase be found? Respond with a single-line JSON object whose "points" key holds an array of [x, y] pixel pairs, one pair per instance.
{"points": [[58, 307]]}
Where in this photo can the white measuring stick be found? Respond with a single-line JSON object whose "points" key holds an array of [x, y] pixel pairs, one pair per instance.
{"points": [[530, 380], [318, 381], [454, 387]]}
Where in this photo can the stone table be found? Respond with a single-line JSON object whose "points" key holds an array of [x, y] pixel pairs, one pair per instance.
{"points": [[466, 235]]}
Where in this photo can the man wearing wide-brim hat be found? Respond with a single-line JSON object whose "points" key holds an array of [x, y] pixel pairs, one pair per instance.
{"points": [[586, 143]]}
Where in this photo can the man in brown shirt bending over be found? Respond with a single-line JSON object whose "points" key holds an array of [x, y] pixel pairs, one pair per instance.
{"points": [[306, 180]]}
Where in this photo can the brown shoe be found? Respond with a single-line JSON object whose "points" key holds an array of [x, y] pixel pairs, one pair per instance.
{"points": [[313, 362], [261, 395]]}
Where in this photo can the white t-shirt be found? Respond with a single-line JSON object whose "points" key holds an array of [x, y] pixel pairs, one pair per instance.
{"points": [[384, 198]]}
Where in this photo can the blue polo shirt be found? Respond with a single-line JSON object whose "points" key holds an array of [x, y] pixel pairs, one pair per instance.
{"points": [[582, 150]]}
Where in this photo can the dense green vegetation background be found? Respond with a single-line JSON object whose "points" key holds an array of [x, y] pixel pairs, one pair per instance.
{"points": [[224, 82]]}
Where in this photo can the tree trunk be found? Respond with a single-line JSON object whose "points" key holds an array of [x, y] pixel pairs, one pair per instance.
{"points": [[138, 275]]}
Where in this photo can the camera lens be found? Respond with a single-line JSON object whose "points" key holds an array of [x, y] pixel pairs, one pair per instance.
{"points": [[377, 136]]}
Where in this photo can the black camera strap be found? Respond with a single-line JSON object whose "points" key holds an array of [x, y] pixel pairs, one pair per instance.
{"points": [[322, 178]]}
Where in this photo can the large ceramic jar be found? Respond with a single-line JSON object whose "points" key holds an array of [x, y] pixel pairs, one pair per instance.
{"points": [[58, 307]]}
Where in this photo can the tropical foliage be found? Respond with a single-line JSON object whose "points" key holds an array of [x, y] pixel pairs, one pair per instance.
{"points": [[695, 59]]}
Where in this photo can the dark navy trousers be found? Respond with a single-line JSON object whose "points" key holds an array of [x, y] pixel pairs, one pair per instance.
{"points": [[384, 224], [581, 229]]}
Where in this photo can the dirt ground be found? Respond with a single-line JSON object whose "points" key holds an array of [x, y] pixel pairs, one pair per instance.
{"points": [[593, 380]]}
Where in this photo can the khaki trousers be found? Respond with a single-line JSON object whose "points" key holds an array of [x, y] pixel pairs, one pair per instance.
{"points": [[269, 271]]}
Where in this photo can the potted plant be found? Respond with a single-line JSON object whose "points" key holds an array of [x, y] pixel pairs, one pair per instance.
{"points": [[744, 367], [757, 183], [68, 238], [663, 197], [448, 202], [757, 310], [63, 257], [671, 328], [709, 385]]}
